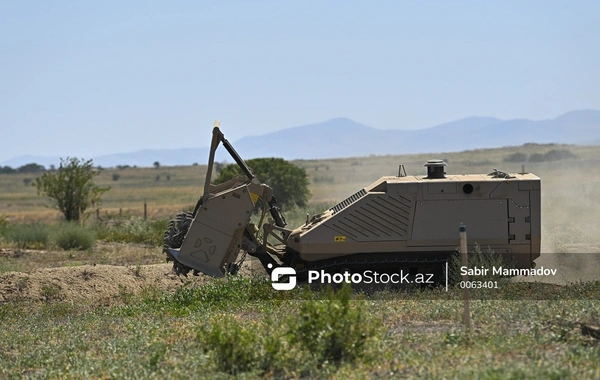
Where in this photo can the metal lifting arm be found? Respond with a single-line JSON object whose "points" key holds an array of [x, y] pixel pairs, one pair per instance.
{"points": [[219, 137], [276, 213]]}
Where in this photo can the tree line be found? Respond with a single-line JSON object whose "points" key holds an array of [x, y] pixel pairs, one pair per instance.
{"points": [[28, 168]]}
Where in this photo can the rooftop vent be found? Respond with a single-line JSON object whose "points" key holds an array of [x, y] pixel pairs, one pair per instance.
{"points": [[435, 169]]}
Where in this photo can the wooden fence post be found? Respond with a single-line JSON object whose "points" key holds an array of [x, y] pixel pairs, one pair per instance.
{"points": [[465, 278]]}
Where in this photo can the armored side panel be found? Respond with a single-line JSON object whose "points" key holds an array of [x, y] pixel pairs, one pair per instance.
{"points": [[215, 236], [411, 216]]}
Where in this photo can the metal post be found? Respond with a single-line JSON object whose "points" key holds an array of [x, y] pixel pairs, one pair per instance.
{"points": [[465, 278], [145, 210]]}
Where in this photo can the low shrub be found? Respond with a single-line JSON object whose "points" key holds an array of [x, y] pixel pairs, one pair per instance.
{"points": [[222, 294], [323, 179], [335, 329], [133, 230], [28, 236], [477, 258], [72, 236], [3, 221], [331, 331], [237, 347]]}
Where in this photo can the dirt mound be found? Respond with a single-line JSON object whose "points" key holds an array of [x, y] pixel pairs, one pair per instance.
{"points": [[93, 282], [101, 283]]}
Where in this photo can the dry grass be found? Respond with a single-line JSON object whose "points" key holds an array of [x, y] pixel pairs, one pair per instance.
{"points": [[569, 187], [25, 260]]}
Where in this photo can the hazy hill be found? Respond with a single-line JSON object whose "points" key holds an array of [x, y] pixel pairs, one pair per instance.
{"points": [[343, 137]]}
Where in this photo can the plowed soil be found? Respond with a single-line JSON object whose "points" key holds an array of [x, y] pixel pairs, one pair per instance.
{"points": [[52, 280], [96, 282]]}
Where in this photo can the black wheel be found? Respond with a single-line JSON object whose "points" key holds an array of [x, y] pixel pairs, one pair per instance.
{"points": [[173, 238]]}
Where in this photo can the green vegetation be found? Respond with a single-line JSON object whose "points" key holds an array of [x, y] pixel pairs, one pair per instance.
{"points": [[234, 348], [242, 328], [3, 221], [7, 170], [288, 181], [205, 333], [73, 236], [552, 155], [126, 229], [132, 230], [478, 257], [31, 168], [71, 187], [64, 235], [559, 154], [516, 157], [27, 236], [334, 330]]}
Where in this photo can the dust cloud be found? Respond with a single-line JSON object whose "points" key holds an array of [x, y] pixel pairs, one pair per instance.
{"points": [[570, 199], [570, 220]]}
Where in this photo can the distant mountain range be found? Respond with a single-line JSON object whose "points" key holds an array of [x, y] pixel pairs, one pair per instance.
{"points": [[343, 137]]}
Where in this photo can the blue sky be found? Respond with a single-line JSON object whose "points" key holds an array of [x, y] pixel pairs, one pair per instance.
{"points": [[85, 78]]}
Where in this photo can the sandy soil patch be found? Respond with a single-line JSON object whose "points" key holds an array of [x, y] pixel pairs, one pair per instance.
{"points": [[98, 282]]}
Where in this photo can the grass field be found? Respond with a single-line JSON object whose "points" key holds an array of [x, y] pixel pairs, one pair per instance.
{"points": [[243, 329], [82, 323], [570, 188]]}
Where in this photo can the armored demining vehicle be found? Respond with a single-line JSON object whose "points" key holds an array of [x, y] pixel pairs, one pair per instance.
{"points": [[407, 221]]}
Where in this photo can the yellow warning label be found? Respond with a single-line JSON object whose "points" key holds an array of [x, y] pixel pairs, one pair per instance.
{"points": [[254, 197], [339, 239]]}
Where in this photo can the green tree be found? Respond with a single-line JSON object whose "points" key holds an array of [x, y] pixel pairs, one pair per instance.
{"points": [[71, 187], [288, 181], [537, 157], [31, 168], [516, 157], [558, 154], [7, 169]]}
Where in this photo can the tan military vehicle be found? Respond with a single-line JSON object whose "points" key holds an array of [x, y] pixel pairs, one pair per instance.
{"points": [[398, 221]]}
